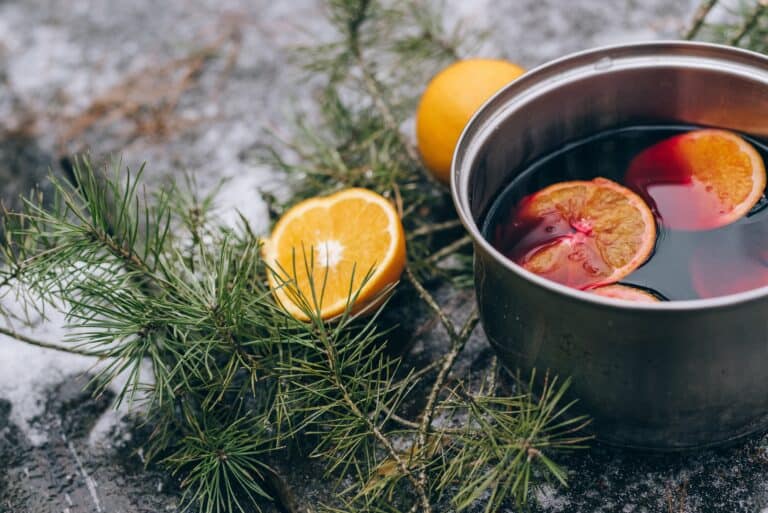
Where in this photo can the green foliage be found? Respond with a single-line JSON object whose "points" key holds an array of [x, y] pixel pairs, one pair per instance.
{"points": [[489, 457], [742, 23], [221, 464], [374, 73], [153, 281]]}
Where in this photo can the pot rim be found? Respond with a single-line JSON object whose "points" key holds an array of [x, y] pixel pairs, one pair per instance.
{"points": [[552, 74]]}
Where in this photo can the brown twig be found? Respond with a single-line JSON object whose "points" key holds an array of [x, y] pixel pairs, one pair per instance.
{"points": [[435, 227], [400, 420], [457, 345], [448, 250], [458, 340], [431, 303], [371, 85], [48, 345], [428, 34], [698, 19], [749, 22], [677, 499]]}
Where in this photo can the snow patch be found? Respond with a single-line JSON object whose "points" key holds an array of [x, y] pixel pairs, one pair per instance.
{"points": [[27, 372], [549, 499]]}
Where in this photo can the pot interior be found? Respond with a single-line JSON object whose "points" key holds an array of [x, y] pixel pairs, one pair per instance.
{"points": [[658, 83]]}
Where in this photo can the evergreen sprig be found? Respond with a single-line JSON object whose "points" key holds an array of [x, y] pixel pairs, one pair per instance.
{"points": [[742, 23], [233, 377], [154, 281]]}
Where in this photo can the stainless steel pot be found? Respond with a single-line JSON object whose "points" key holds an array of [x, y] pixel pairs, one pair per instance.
{"points": [[670, 375]]}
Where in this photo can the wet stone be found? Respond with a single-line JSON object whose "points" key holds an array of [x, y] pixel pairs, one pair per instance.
{"points": [[66, 473]]}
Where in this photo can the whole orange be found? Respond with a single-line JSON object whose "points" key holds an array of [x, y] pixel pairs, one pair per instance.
{"points": [[450, 100]]}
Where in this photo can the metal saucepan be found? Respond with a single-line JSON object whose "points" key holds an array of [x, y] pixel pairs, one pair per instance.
{"points": [[670, 375]]}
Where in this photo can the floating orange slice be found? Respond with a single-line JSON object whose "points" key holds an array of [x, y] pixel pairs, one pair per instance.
{"points": [[618, 291], [321, 250], [581, 233], [699, 180]]}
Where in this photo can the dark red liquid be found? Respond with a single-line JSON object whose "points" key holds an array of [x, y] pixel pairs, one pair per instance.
{"points": [[687, 263]]}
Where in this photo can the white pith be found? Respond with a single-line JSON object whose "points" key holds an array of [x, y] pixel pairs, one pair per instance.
{"points": [[329, 253]]}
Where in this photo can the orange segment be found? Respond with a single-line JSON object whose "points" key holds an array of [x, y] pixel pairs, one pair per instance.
{"points": [[699, 180], [618, 291], [582, 233], [328, 245]]}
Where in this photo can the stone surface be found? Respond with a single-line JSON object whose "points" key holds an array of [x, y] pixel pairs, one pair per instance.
{"points": [[71, 74]]}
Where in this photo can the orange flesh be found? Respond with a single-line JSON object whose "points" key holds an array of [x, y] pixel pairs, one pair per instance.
{"points": [[583, 233], [700, 180], [321, 250]]}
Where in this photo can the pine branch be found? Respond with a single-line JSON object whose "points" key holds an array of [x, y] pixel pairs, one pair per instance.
{"points": [[20, 337], [504, 439], [153, 278], [750, 22], [458, 342], [699, 17], [745, 25]]}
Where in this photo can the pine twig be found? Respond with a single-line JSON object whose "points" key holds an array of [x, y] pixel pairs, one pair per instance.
{"points": [[449, 249], [332, 360], [749, 22], [457, 345], [698, 19], [400, 420], [436, 227], [431, 302], [374, 90], [372, 85], [48, 345]]}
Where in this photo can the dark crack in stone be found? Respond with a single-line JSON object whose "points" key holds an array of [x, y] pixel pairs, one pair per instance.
{"points": [[66, 473]]}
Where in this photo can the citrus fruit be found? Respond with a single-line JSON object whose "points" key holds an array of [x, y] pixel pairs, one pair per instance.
{"points": [[618, 291], [582, 233], [328, 245], [699, 180], [450, 100]]}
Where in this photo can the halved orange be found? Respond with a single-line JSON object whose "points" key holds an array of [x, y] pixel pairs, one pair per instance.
{"points": [[699, 180], [618, 291], [581, 233], [322, 249]]}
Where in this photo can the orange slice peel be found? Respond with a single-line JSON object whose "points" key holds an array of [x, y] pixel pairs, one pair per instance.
{"points": [[626, 293]]}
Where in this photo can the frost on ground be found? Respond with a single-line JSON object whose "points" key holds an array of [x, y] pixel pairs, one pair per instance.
{"points": [[66, 71]]}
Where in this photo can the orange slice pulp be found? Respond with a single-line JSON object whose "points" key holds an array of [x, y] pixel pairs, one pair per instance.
{"points": [[322, 249], [699, 180], [581, 233]]}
